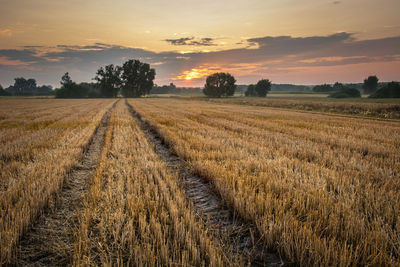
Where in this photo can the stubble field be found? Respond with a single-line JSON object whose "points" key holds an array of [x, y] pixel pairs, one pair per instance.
{"points": [[305, 188]]}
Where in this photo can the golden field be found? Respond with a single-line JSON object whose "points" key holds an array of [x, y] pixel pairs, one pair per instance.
{"points": [[41, 140], [135, 212], [322, 189]]}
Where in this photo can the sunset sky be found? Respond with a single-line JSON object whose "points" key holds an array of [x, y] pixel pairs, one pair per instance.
{"points": [[287, 41]]}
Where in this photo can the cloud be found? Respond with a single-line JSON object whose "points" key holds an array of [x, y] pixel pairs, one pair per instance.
{"points": [[5, 32], [191, 41], [280, 57], [9, 62]]}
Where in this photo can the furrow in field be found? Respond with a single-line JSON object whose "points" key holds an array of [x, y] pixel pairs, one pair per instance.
{"points": [[236, 231], [50, 241]]}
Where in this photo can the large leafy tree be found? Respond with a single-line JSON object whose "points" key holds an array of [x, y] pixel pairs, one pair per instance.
{"points": [[66, 80], [370, 84], [23, 86], [137, 78], [220, 84], [262, 87], [109, 80]]}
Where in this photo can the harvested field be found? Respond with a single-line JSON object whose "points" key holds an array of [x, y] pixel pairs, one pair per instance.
{"points": [[322, 189], [236, 233], [364, 107], [51, 240], [167, 181], [136, 213], [41, 142]]}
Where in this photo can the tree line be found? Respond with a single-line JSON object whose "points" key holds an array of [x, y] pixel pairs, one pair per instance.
{"points": [[370, 86], [135, 79], [132, 79], [26, 87]]}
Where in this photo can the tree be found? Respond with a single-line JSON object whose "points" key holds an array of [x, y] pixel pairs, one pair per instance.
{"points": [[262, 87], [251, 90], [370, 84], [109, 80], [28, 87], [391, 90], [220, 84], [22, 87], [137, 78], [70, 89], [66, 80]]}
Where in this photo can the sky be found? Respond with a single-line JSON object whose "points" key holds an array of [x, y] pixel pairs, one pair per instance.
{"points": [[286, 41]]}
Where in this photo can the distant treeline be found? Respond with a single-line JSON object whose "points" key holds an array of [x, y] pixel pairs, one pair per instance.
{"points": [[279, 88], [135, 79], [26, 87], [172, 89]]}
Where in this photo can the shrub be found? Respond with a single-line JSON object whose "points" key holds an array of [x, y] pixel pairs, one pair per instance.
{"points": [[391, 90], [346, 92]]}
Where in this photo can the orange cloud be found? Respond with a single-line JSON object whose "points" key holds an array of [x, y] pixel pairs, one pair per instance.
{"points": [[5, 32], [196, 73], [9, 62], [329, 59]]}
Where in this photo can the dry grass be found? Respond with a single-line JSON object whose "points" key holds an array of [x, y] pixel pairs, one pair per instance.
{"points": [[41, 140], [323, 189], [135, 212]]}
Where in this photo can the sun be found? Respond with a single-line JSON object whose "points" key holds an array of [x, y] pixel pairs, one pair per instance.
{"points": [[191, 75]]}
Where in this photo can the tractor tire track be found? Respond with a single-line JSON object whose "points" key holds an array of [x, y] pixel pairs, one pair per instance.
{"points": [[50, 242], [234, 232]]}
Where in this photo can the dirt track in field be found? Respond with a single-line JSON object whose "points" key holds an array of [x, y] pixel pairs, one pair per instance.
{"points": [[50, 241], [232, 230]]}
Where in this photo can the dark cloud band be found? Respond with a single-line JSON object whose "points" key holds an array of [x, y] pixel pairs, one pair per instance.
{"points": [[269, 53], [192, 41]]}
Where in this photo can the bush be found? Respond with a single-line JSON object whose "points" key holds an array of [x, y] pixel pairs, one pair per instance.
{"points": [[391, 90], [346, 92]]}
